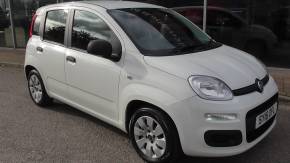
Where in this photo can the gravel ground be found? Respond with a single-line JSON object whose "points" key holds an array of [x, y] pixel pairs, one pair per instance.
{"points": [[61, 133]]}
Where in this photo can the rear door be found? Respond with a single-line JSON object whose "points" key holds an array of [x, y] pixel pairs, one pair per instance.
{"points": [[51, 51]]}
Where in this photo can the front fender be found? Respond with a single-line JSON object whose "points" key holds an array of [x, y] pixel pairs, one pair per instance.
{"points": [[144, 93]]}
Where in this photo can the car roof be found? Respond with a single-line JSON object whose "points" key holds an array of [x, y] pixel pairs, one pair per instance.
{"points": [[104, 4], [120, 4]]}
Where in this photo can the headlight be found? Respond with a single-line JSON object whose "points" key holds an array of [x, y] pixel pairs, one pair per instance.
{"points": [[210, 88]]}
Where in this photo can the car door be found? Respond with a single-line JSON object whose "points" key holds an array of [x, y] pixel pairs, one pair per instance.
{"points": [[51, 51], [92, 80]]}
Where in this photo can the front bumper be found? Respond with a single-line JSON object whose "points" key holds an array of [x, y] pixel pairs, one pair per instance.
{"points": [[189, 118]]}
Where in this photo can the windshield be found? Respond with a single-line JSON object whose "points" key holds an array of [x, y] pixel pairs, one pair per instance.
{"points": [[159, 31]]}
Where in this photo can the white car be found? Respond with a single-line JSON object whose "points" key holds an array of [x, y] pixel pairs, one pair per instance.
{"points": [[152, 73]]}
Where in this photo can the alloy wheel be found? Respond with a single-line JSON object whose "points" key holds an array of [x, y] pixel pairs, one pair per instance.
{"points": [[35, 88], [150, 137]]}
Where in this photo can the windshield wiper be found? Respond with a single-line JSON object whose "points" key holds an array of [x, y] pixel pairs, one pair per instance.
{"points": [[187, 48], [202, 46], [190, 47]]}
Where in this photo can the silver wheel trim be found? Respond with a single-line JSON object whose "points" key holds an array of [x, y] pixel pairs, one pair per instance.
{"points": [[35, 88], [150, 137]]}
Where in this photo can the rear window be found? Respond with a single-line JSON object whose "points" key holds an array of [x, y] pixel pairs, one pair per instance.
{"points": [[35, 30], [55, 26]]}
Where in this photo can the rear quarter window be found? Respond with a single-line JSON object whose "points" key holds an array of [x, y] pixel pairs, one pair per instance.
{"points": [[36, 26]]}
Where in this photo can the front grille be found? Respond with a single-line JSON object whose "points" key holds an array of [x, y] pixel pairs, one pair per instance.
{"points": [[250, 88], [253, 133]]}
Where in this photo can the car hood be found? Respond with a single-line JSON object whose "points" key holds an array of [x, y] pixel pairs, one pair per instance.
{"points": [[236, 68]]}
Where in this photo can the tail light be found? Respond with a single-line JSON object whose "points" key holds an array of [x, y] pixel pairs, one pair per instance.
{"points": [[32, 25]]}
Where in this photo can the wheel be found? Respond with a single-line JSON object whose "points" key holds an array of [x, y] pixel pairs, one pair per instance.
{"points": [[257, 48], [154, 136], [37, 90]]}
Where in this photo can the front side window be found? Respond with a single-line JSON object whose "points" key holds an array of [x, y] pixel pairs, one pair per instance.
{"points": [[159, 32], [55, 23], [88, 26]]}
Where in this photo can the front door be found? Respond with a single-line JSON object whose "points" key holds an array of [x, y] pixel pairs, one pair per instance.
{"points": [[92, 80]]}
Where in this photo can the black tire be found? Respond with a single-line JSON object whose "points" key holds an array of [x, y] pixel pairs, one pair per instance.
{"points": [[256, 48], [44, 99], [173, 148]]}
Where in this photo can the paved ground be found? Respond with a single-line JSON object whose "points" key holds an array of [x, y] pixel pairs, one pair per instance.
{"points": [[14, 56], [63, 134]]}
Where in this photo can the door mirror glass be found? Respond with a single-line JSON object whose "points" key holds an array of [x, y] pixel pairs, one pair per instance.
{"points": [[100, 47]]}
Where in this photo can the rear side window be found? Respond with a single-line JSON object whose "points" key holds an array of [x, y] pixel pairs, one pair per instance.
{"points": [[54, 29], [35, 30], [88, 26]]}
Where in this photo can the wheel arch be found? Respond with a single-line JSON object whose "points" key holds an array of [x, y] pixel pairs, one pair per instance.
{"points": [[28, 68], [134, 105]]}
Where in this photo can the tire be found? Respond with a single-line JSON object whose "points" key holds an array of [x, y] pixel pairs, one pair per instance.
{"points": [[37, 90], [157, 143], [256, 48]]}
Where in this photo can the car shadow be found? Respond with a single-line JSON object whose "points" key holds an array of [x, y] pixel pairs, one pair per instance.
{"points": [[241, 158], [60, 107]]}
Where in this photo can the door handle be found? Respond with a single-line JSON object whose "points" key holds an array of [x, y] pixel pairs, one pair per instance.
{"points": [[39, 49], [71, 59]]}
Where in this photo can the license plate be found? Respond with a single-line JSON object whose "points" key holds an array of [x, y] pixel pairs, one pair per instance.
{"points": [[266, 115]]}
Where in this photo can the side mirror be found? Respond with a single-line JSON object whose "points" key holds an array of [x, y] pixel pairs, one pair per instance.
{"points": [[100, 47]]}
